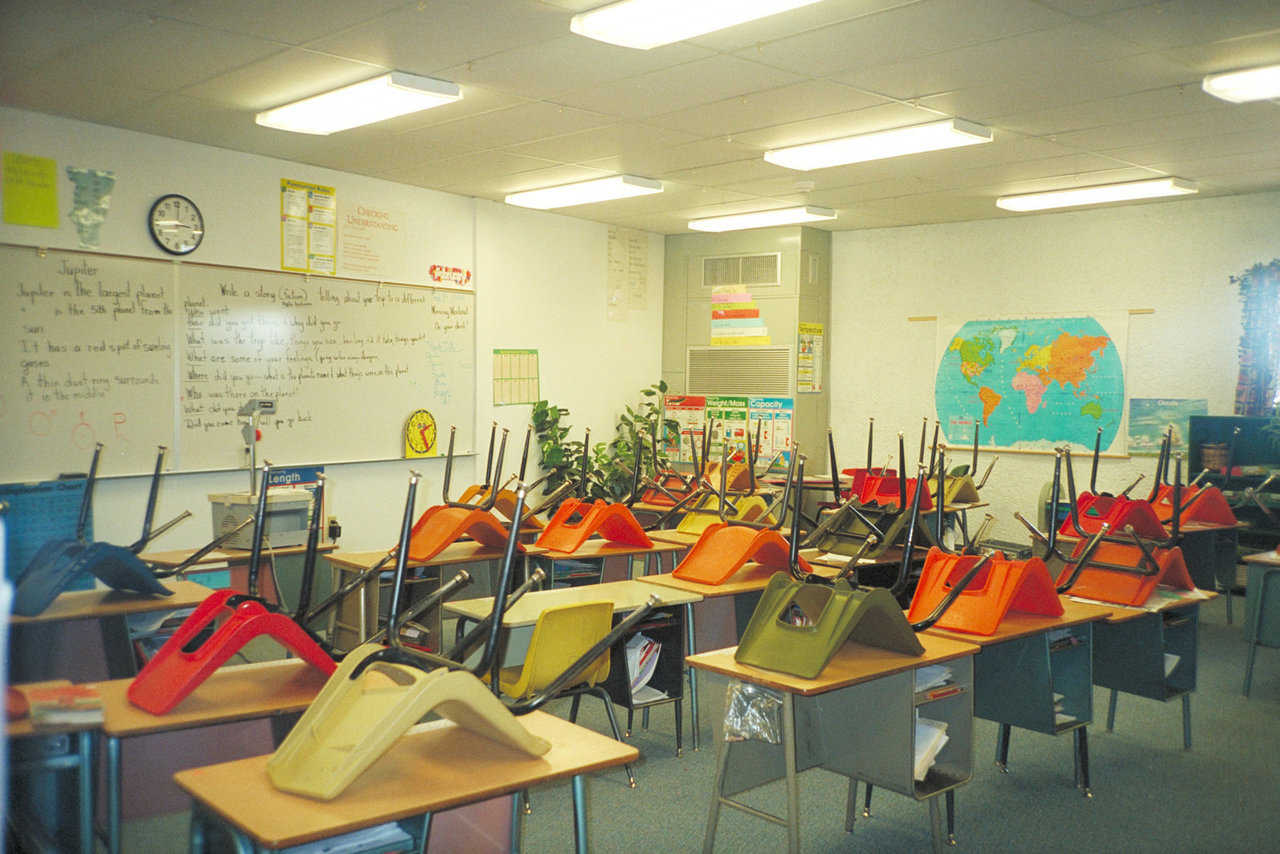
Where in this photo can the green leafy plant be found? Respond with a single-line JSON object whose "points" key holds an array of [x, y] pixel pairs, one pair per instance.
{"points": [[609, 464]]}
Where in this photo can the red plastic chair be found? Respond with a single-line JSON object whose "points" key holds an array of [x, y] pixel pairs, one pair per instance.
{"points": [[1001, 586], [614, 522], [1121, 573]]}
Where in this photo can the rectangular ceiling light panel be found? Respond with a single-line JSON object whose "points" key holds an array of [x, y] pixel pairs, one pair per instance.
{"points": [[377, 99], [1251, 84], [645, 24], [763, 219], [1098, 195], [949, 133], [586, 192]]}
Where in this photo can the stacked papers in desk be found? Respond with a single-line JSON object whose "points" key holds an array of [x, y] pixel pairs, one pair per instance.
{"points": [[66, 705], [1060, 718], [642, 658], [384, 837], [1170, 662], [931, 737], [932, 676]]}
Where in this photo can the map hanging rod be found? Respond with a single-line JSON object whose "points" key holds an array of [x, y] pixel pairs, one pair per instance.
{"points": [[928, 318]]}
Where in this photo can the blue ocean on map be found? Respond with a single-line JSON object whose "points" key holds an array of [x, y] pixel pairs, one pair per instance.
{"points": [[1031, 383]]}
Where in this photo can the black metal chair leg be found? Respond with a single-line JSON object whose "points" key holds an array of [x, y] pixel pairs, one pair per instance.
{"points": [[951, 816], [679, 730], [613, 725], [866, 802], [1002, 748], [573, 709], [1082, 757], [630, 720]]}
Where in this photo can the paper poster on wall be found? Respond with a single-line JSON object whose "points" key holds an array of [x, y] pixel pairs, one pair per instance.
{"points": [[371, 240], [690, 412], [457, 277], [735, 318], [1033, 382], [809, 358], [90, 202], [773, 417], [727, 415], [515, 377], [30, 186], [1150, 417], [308, 228], [629, 265]]}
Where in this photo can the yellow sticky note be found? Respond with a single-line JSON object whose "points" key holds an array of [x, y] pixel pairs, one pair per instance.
{"points": [[30, 190]]}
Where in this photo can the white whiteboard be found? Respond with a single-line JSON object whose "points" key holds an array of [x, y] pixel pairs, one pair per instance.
{"points": [[137, 353]]}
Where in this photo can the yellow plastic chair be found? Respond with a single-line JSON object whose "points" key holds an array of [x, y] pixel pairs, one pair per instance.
{"points": [[560, 637]]}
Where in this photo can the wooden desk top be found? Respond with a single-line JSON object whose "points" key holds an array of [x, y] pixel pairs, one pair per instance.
{"points": [[173, 558], [595, 548], [463, 551], [434, 767], [889, 557], [683, 538], [1162, 600], [1267, 558], [1018, 625], [96, 604], [21, 728], [625, 595], [235, 693], [852, 664], [750, 578]]}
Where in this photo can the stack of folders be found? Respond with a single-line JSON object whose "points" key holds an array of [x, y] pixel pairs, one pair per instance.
{"points": [[931, 737], [642, 659], [64, 706], [383, 838], [932, 676], [1060, 717]]}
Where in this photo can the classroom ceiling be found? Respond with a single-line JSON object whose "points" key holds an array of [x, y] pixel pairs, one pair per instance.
{"points": [[1077, 92]]}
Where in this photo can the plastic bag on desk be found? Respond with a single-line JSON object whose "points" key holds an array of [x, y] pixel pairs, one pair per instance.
{"points": [[752, 712]]}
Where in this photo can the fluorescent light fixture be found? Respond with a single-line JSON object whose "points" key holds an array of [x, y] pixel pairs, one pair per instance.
{"points": [[586, 192], [761, 219], [949, 133], [1098, 195], [385, 97], [643, 24], [1251, 84]]}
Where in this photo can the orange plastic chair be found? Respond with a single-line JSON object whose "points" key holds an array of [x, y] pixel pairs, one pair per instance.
{"points": [[614, 522], [723, 549], [441, 525], [561, 636], [1122, 573], [1119, 512], [1199, 504], [1001, 586]]}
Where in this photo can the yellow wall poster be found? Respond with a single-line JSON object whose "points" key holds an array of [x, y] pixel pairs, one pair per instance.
{"points": [[809, 358], [30, 190], [308, 228]]}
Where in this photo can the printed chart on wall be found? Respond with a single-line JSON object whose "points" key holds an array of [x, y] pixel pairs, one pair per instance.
{"points": [[736, 419], [1150, 417], [1033, 382], [138, 352], [809, 359], [308, 228]]}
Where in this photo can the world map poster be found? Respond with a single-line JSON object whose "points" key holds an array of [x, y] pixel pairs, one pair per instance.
{"points": [[1032, 383]]}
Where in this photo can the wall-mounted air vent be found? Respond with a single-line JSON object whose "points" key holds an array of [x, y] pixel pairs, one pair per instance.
{"points": [[760, 371], [757, 271]]}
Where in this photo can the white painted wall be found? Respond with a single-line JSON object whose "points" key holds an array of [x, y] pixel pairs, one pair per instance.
{"points": [[540, 282], [1173, 257]]}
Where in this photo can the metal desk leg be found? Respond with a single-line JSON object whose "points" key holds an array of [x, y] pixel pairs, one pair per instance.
{"points": [[693, 674], [517, 821], [85, 781], [951, 816], [1002, 748], [113, 795], [579, 815], [851, 806], [793, 782], [195, 835], [935, 825], [426, 833], [1111, 710], [717, 792], [1186, 721]]}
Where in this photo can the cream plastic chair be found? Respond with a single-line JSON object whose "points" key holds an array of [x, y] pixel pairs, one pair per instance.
{"points": [[560, 637]]}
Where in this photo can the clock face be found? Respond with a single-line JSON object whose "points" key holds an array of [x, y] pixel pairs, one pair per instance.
{"points": [[176, 224], [420, 434]]}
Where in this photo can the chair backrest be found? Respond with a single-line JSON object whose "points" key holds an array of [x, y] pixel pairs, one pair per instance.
{"points": [[560, 637]]}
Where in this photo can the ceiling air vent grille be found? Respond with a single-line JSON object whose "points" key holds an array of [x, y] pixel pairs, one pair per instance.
{"points": [[758, 371], [763, 270]]}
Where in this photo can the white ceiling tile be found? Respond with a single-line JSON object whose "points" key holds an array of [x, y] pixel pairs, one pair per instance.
{"points": [[843, 124], [452, 171], [286, 76], [1062, 182], [504, 127], [548, 69], [623, 141], [1261, 142], [904, 33], [1168, 101], [657, 162], [1184, 22], [794, 22], [1228, 119], [725, 174], [1205, 168], [35, 32], [64, 90], [497, 185], [1088, 8], [766, 108], [1229, 54], [425, 37], [287, 23], [1242, 182], [678, 87]]}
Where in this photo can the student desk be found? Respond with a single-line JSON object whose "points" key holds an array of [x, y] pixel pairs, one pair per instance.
{"points": [[1210, 553], [51, 756], [1135, 649], [111, 608], [435, 766], [1024, 664], [351, 625], [243, 692], [236, 560], [857, 718], [1262, 607], [603, 550], [626, 596]]}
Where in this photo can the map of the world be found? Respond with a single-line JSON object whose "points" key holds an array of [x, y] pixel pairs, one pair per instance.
{"points": [[1031, 383]]}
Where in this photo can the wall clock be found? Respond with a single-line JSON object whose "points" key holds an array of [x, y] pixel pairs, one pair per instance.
{"points": [[176, 224], [420, 435]]}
